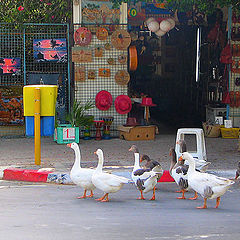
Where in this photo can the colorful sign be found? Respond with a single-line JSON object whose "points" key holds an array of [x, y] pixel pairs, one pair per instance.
{"points": [[10, 66], [45, 50]]}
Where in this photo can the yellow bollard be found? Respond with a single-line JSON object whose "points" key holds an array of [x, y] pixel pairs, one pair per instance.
{"points": [[37, 129]]}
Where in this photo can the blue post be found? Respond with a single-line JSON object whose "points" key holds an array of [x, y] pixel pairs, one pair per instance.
{"points": [[229, 39]]}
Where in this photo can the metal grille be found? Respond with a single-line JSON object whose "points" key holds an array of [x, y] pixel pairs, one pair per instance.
{"points": [[44, 32], [88, 88], [49, 31], [11, 46], [16, 41]]}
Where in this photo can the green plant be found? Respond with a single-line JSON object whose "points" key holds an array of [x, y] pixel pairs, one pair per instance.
{"points": [[41, 11], [78, 117]]}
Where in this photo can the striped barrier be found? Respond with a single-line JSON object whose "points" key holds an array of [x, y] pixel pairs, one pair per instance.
{"points": [[31, 175]]}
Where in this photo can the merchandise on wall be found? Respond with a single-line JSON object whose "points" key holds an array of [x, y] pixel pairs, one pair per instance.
{"points": [[234, 86], [99, 12], [107, 72], [10, 66], [11, 106]]}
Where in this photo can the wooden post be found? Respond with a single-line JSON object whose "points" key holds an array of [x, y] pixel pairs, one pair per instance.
{"points": [[37, 127]]}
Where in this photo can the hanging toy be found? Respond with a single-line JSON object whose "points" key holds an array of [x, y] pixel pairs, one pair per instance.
{"points": [[165, 26], [152, 24], [173, 24], [160, 33]]}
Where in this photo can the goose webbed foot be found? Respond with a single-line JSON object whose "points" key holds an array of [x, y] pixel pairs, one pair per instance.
{"points": [[204, 205], [83, 196], [195, 197], [100, 199], [182, 197], [153, 196], [91, 195], [105, 200], [217, 202], [141, 198]]}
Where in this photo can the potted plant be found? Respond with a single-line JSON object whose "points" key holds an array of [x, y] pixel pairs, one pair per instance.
{"points": [[77, 117]]}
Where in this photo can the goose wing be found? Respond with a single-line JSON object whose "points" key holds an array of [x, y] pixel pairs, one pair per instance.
{"points": [[111, 179], [211, 180]]}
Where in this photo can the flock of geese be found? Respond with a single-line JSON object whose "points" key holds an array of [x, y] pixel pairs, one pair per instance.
{"points": [[188, 173]]}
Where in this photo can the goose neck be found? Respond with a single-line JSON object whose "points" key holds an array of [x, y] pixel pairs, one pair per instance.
{"points": [[77, 163], [100, 163], [173, 161], [137, 161], [192, 166]]}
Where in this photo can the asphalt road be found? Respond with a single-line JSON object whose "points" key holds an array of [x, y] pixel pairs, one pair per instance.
{"points": [[49, 212]]}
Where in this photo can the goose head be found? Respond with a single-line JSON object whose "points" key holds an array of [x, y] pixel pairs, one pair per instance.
{"points": [[73, 145], [99, 153], [145, 158], [187, 156], [133, 149]]}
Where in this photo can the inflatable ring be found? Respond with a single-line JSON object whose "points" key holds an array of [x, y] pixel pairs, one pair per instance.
{"points": [[133, 61]]}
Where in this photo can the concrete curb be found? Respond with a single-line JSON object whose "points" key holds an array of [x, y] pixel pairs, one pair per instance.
{"points": [[43, 175]]}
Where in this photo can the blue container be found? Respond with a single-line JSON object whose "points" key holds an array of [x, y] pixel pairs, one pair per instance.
{"points": [[47, 125]]}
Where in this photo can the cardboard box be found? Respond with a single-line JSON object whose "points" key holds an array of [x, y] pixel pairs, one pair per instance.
{"points": [[137, 133]]}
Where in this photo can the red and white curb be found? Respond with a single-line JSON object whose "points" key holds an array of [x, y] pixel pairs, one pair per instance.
{"points": [[44, 175]]}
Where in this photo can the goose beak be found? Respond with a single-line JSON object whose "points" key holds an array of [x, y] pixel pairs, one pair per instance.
{"points": [[141, 159], [69, 145], [95, 153], [180, 158]]}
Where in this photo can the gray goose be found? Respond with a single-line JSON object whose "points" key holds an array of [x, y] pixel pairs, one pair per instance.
{"points": [[178, 170]]}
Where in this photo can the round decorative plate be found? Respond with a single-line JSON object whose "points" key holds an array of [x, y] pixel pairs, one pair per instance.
{"points": [[122, 77], [107, 46], [121, 39], [82, 36], [122, 59], [102, 33]]}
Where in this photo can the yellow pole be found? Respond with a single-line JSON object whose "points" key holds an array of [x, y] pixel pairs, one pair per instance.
{"points": [[37, 130]]}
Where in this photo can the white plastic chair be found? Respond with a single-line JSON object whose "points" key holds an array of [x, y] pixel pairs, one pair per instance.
{"points": [[201, 149]]}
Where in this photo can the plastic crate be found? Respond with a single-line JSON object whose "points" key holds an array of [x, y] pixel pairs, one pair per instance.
{"points": [[230, 132], [66, 134]]}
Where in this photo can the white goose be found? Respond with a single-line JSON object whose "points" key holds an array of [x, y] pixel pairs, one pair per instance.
{"points": [[81, 176], [144, 179], [200, 164], [108, 183], [208, 185]]}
